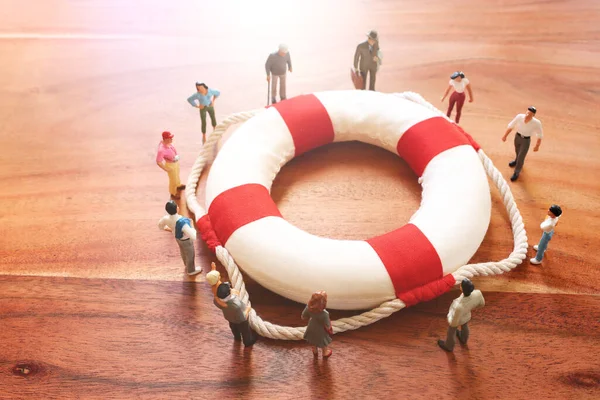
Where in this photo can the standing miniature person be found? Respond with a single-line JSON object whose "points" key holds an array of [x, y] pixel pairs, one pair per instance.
{"points": [[168, 160], [458, 83], [206, 103], [236, 312], [554, 212], [277, 65], [460, 314], [319, 329], [184, 235], [214, 280], [366, 59], [525, 125]]}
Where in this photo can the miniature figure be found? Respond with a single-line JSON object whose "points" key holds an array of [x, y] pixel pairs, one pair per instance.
{"points": [[319, 329], [168, 160], [184, 234], [460, 314], [525, 125], [236, 312], [206, 103], [214, 280], [458, 83], [276, 65], [554, 213], [368, 54]]}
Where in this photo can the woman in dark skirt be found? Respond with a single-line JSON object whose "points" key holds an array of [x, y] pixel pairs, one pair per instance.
{"points": [[319, 329]]}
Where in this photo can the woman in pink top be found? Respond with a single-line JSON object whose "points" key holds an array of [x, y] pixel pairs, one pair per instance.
{"points": [[168, 160], [459, 83]]}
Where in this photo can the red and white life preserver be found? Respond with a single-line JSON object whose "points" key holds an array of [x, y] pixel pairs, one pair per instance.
{"points": [[412, 263]]}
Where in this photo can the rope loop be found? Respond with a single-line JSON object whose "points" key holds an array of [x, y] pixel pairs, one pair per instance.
{"points": [[273, 331]]}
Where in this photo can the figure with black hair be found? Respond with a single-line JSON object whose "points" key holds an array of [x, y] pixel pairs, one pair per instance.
{"points": [[236, 312], [460, 314], [206, 103], [554, 213], [525, 125], [458, 83], [184, 235]]}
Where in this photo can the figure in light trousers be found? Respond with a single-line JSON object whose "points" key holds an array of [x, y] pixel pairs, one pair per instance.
{"points": [[282, 83], [543, 245], [173, 173], [188, 254]]}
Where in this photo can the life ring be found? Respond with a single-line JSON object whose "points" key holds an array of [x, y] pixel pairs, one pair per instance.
{"points": [[412, 263]]}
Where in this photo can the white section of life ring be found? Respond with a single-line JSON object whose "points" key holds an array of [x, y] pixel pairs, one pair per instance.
{"points": [[278, 255]]}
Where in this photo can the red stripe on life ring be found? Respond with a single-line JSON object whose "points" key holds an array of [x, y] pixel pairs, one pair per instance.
{"points": [[410, 260], [239, 206], [426, 139], [308, 122]]}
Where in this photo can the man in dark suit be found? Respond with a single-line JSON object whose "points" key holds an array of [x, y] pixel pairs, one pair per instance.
{"points": [[366, 60]]}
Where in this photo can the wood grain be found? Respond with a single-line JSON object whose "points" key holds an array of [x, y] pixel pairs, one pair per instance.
{"points": [[107, 311], [115, 339]]}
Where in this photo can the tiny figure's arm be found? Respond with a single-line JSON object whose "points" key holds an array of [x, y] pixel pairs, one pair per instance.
{"points": [[356, 57], [162, 224], [216, 95], [268, 67], [161, 164], [305, 315], [446, 92], [470, 93], [220, 302], [191, 232], [289, 62], [192, 100], [540, 135]]}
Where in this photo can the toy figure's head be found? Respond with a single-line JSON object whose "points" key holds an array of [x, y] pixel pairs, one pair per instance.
{"points": [[223, 290], [457, 76], [213, 277], [283, 49], [171, 207], [554, 211], [467, 287], [201, 88], [167, 137], [317, 302], [372, 37], [531, 111]]}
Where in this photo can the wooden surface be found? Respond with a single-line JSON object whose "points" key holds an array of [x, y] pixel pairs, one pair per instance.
{"points": [[107, 311]]}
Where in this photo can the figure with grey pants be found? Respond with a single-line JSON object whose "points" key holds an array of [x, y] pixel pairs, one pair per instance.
{"points": [[525, 125], [184, 235], [236, 312], [460, 315], [277, 65]]}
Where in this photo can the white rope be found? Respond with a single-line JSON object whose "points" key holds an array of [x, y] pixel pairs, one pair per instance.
{"points": [[273, 331]]}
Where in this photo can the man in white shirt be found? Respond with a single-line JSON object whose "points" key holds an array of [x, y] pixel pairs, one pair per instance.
{"points": [[554, 212], [460, 314], [525, 125], [184, 234]]}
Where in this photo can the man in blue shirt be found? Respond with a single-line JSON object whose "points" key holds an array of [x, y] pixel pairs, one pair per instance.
{"points": [[206, 102]]}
